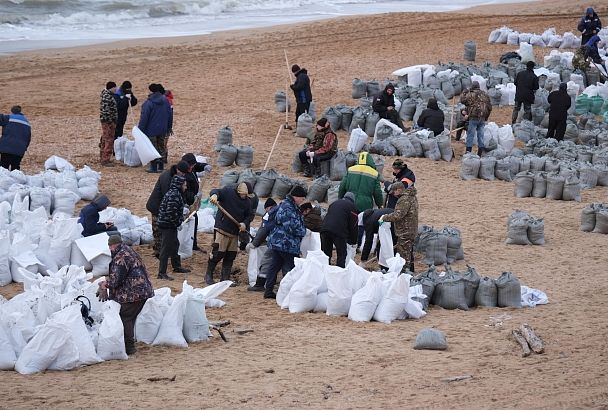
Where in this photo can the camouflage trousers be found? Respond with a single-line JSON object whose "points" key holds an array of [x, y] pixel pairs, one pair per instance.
{"points": [[155, 235], [159, 144], [106, 143], [404, 247]]}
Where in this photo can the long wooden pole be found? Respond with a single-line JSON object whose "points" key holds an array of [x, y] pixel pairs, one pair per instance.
{"points": [[273, 145]]}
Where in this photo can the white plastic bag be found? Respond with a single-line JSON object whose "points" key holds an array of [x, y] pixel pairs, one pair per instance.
{"points": [[5, 269], [196, 325], [386, 244], [7, 353], [310, 242], [303, 294], [151, 316], [170, 332], [186, 238], [288, 281], [253, 263], [357, 140], [50, 341], [111, 342], [144, 147], [339, 292]]}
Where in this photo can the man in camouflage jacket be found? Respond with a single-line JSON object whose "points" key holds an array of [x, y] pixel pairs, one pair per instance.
{"points": [[405, 221], [479, 108], [108, 114]]}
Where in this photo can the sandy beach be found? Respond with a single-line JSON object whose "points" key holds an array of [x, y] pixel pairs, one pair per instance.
{"points": [[312, 360]]}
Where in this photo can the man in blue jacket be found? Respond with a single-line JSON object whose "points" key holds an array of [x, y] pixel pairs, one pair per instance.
{"points": [[285, 238], [16, 137], [589, 25], [89, 217], [156, 122]]}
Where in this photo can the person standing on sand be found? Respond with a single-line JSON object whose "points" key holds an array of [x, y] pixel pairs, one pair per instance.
{"points": [[124, 98], [156, 121], [301, 90], [363, 181], [192, 191], [339, 228], [479, 108], [589, 25], [526, 83], [108, 115], [128, 284], [15, 139]]}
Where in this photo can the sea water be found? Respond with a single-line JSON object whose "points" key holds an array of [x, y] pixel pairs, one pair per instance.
{"points": [[38, 24]]}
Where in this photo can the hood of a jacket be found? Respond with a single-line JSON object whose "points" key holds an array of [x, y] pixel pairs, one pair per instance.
{"points": [[365, 158], [157, 98], [389, 86], [301, 71], [590, 11], [177, 182], [350, 196], [432, 104]]}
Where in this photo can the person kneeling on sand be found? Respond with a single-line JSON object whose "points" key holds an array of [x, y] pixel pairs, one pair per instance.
{"points": [[128, 284], [89, 217]]}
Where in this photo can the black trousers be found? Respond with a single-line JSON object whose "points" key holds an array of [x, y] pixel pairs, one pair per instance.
{"points": [[393, 116], [328, 240], [316, 159], [128, 314], [169, 245], [301, 108], [10, 161], [517, 108], [557, 127]]}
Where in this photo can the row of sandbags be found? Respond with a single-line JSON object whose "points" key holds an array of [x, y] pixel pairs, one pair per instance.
{"points": [[594, 218], [464, 290], [550, 185], [549, 38], [314, 285], [525, 229], [265, 183], [579, 145], [440, 247], [229, 154]]}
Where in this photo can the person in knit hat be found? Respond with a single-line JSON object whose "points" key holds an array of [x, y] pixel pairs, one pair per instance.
{"points": [[270, 208], [301, 90], [323, 147], [192, 194]]}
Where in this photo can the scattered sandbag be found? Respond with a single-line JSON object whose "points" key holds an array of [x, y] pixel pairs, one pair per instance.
{"points": [[587, 218], [470, 50], [227, 155], [281, 104], [430, 339], [509, 290], [524, 182], [318, 189], [244, 156], [517, 228], [487, 293], [265, 182], [536, 231]]}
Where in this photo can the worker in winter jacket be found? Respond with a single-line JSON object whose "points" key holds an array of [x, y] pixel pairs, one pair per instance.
{"points": [[89, 217], [15, 139], [270, 209], [592, 52], [192, 194], [237, 207], [156, 121], [559, 103], [323, 147], [170, 218], [432, 117], [362, 180], [285, 238], [384, 105], [128, 284], [340, 228], [403, 174], [589, 25], [108, 115], [405, 221], [312, 217], [301, 90], [526, 83], [479, 108], [124, 99], [370, 227]]}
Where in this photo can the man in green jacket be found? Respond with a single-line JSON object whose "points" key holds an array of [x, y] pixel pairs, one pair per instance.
{"points": [[364, 181]]}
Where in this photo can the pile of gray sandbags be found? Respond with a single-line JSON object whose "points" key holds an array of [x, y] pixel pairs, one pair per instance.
{"points": [[440, 247], [594, 218], [525, 229]]}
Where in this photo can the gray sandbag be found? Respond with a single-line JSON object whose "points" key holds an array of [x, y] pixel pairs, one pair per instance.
{"points": [[588, 218], [229, 177], [318, 189], [417, 144], [358, 119], [444, 143], [471, 282], [430, 339], [371, 120], [588, 176], [351, 159], [337, 166], [383, 132], [281, 104], [602, 174], [495, 96], [537, 115], [281, 187], [509, 290], [502, 170], [555, 186], [224, 137], [572, 189], [447, 88], [407, 109], [431, 149], [244, 156], [428, 287], [571, 133], [487, 293], [536, 231], [379, 161], [227, 155], [366, 103], [296, 164], [334, 116], [469, 167], [486, 168], [263, 187], [449, 292], [470, 50], [404, 146], [373, 88], [423, 235], [347, 117], [524, 182], [537, 163], [332, 194], [359, 88], [601, 221], [436, 249], [454, 244], [539, 189], [551, 165], [517, 228], [384, 148], [247, 175], [304, 127]]}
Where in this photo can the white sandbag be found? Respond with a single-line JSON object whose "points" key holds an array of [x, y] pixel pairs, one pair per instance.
{"points": [[5, 269], [144, 147], [386, 244], [130, 157], [211, 292], [58, 163], [321, 306], [253, 263], [358, 138], [7, 353], [111, 342], [482, 81], [41, 197], [101, 265], [287, 283], [358, 276], [77, 257], [365, 301], [186, 238], [526, 52], [339, 292], [94, 245], [42, 350], [170, 332], [310, 242], [119, 147], [151, 316], [505, 138], [303, 294], [22, 256], [64, 201], [196, 325], [413, 308], [392, 306], [206, 220]]}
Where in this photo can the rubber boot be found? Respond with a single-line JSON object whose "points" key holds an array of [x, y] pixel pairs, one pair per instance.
{"points": [[317, 171], [160, 165], [306, 169], [480, 151], [210, 268], [227, 267], [469, 149], [153, 168]]}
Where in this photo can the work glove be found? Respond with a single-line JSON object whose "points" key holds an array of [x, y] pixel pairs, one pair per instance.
{"points": [[213, 199], [249, 247], [310, 154], [381, 220], [186, 210], [207, 168], [102, 294], [242, 227]]}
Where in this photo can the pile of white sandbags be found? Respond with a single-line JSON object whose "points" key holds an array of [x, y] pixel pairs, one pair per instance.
{"points": [[134, 230], [549, 38]]}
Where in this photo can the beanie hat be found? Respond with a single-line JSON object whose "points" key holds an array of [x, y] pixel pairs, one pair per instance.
{"points": [[101, 201], [126, 85], [295, 68], [242, 189], [269, 202], [189, 158], [153, 87], [349, 195], [305, 206], [298, 191], [397, 185], [530, 65], [250, 193], [110, 84], [16, 109], [114, 238], [183, 166], [322, 122]]}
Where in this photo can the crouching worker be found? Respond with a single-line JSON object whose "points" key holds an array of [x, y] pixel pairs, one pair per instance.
{"points": [[312, 217], [405, 221], [340, 228], [270, 207], [228, 223], [89, 217], [128, 284]]}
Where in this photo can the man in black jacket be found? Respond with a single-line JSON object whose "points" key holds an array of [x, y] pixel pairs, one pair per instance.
{"points": [[402, 174], [384, 105], [156, 196], [124, 98], [170, 218], [559, 102], [370, 226], [301, 90], [192, 188], [589, 25], [225, 233], [432, 117], [339, 228], [526, 83]]}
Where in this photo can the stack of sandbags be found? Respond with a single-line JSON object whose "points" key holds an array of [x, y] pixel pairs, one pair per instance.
{"points": [[594, 218], [524, 229]]}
